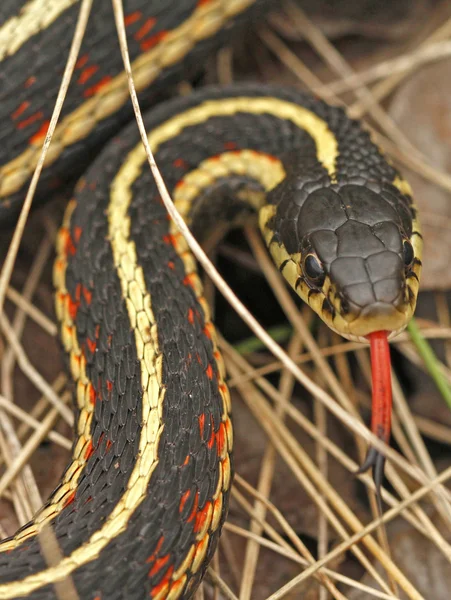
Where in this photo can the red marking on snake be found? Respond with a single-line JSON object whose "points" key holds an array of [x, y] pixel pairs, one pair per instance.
{"points": [[87, 294], [30, 120], [163, 583], [40, 133], [30, 81], [190, 316], [189, 280], [92, 394], [97, 87], [201, 424], [203, 3], [171, 265], [159, 564], [97, 332], [144, 29], [382, 390], [92, 345], [82, 61], [132, 18], [155, 552], [109, 385], [153, 41], [21, 109], [87, 73], [69, 499], [201, 517], [72, 307], [169, 239], [208, 330], [184, 500], [180, 163], [179, 184], [109, 443], [209, 372], [194, 509], [220, 439], [89, 450], [186, 461], [230, 146]]}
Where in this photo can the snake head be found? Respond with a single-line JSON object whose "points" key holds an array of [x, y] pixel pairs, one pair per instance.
{"points": [[355, 257]]}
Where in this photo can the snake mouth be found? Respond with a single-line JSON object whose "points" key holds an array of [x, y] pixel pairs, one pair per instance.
{"points": [[375, 317]]}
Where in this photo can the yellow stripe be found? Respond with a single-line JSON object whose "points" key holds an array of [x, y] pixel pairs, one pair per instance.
{"points": [[261, 167], [204, 22], [34, 17], [141, 316]]}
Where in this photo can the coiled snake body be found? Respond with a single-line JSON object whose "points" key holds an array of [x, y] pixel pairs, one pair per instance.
{"points": [[139, 510]]}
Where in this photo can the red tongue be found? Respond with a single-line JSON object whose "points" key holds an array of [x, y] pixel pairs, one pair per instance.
{"points": [[382, 403], [381, 376]]}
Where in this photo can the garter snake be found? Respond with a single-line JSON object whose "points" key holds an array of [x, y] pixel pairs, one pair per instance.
{"points": [[139, 510]]}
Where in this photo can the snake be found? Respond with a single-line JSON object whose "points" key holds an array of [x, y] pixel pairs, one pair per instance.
{"points": [[139, 509]]}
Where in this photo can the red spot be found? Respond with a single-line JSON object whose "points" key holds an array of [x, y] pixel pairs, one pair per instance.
{"points": [[194, 510], [220, 439], [69, 499], [69, 247], [179, 184], [21, 109], [31, 119], [132, 18], [159, 564], [109, 385], [163, 583], [91, 345], [153, 41], [97, 87], [92, 394], [87, 73], [77, 234], [215, 158], [171, 265], [230, 146], [186, 461], [208, 329], [109, 443], [97, 331], [201, 424], [272, 158], [198, 358], [30, 81], [180, 163], [89, 450], [209, 372], [87, 296], [72, 307], [201, 517], [184, 499], [144, 29], [40, 134], [189, 280], [82, 61], [155, 552], [191, 316], [202, 2], [169, 239], [211, 441], [217, 355]]}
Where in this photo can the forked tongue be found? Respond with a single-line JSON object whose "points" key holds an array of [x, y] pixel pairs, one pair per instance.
{"points": [[381, 404]]}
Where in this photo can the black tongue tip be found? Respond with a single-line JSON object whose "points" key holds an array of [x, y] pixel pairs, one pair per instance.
{"points": [[374, 460]]}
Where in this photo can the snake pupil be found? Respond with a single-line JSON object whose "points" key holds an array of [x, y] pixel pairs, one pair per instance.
{"points": [[314, 271], [408, 253]]}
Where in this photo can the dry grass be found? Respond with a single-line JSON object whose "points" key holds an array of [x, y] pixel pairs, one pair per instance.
{"points": [[418, 491]]}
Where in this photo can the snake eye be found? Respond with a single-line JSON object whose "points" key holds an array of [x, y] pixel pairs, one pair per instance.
{"points": [[408, 253], [313, 270]]}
